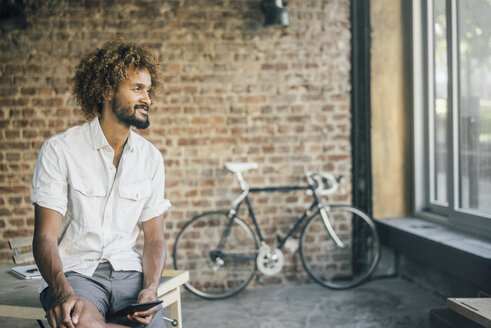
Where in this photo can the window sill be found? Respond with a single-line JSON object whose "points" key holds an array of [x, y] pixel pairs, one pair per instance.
{"points": [[455, 253]]}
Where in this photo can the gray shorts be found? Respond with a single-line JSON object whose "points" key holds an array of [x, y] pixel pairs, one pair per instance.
{"points": [[109, 290]]}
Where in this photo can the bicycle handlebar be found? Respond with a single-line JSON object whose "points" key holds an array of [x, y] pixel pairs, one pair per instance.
{"points": [[323, 183]]}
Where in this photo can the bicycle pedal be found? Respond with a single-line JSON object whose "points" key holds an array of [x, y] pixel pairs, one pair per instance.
{"points": [[259, 279], [292, 245]]}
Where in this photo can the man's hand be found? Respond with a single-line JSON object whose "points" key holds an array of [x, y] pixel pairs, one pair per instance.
{"points": [[66, 311], [67, 307], [153, 263], [144, 317]]}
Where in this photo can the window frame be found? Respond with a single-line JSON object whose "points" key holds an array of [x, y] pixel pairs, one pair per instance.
{"points": [[423, 128]]}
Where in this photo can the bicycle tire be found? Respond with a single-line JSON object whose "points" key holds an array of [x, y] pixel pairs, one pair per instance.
{"points": [[334, 267], [195, 250]]}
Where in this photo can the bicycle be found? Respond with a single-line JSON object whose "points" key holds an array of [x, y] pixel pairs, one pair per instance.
{"points": [[338, 246]]}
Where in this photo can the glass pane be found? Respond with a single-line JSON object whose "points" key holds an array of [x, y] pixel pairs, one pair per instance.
{"points": [[474, 33], [440, 102]]}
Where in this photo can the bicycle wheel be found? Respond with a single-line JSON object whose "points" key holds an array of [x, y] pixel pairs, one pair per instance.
{"points": [[219, 253], [333, 266]]}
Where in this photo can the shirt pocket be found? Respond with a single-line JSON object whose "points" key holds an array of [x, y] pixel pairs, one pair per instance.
{"points": [[132, 197], [88, 197], [89, 187]]}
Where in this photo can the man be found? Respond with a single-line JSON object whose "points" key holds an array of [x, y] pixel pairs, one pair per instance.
{"points": [[93, 184]]}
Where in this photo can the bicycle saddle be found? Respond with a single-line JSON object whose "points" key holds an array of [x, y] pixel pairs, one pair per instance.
{"points": [[240, 167]]}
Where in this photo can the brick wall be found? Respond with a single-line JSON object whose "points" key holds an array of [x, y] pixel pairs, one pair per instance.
{"points": [[234, 91]]}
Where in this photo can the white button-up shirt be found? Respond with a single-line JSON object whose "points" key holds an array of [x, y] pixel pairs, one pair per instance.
{"points": [[101, 205]]}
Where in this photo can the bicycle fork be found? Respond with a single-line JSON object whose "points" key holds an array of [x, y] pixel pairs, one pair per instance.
{"points": [[216, 256], [327, 223]]}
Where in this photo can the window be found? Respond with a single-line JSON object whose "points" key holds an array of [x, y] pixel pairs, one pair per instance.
{"points": [[452, 99]]}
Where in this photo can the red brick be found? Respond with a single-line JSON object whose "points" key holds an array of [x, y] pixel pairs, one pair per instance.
{"points": [[28, 113], [20, 123], [15, 200], [50, 102], [14, 145], [22, 211], [253, 99], [17, 222], [191, 142], [13, 157], [13, 102], [14, 190], [5, 212], [28, 134], [9, 234], [8, 92], [12, 134]]}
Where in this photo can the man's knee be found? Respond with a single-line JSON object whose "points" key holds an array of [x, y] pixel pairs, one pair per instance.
{"points": [[90, 316]]}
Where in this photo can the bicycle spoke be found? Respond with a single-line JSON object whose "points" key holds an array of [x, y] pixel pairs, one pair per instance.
{"points": [[334, 266], [216, 272]]}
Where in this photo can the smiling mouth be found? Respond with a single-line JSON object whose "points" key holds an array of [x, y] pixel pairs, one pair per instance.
{"points": [[142, 109]]}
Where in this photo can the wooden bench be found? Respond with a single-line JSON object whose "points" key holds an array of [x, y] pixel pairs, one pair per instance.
{"points": [[169, 291], [21, 247], [475, 309], [19, 297]]}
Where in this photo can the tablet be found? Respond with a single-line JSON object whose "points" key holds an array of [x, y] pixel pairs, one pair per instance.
{"points": [[132, 308]]}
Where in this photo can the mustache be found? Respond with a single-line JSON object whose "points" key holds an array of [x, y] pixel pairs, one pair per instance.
{"points": [[145, 107]]}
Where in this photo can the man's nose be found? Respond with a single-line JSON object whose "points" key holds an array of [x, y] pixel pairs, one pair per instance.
{"points": [[146, 98]]}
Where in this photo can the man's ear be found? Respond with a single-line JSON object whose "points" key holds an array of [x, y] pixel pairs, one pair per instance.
{"points": [[107, 95]]}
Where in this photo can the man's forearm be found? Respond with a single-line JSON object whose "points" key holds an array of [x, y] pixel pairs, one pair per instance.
{"points": [[49, 263], [45, 249], [154, 255]]}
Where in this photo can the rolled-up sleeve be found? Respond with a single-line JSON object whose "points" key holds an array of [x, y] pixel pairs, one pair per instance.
{"points": [[156, 203], [50, 179]]}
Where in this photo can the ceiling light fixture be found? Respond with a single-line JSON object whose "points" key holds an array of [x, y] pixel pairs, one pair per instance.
{"points": [[12, 15], [275, 12]]}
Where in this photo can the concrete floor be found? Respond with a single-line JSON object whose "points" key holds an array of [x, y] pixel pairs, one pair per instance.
{"points": [[382, 303], [387, 303]]}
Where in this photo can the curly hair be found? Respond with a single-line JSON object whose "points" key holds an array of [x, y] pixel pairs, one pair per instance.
{"points": [[101, 71]]}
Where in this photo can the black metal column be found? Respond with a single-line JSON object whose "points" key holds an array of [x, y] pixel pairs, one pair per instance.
{"points": [[360, 104]]}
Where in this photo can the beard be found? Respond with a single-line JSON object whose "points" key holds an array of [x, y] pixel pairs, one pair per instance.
{"points": [[126, 116]]}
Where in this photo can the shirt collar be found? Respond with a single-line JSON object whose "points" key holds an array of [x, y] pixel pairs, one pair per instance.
{"points": [[98, 137], [130, 143], [100, 140]]}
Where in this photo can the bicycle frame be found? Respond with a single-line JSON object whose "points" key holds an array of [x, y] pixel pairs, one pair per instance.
{"points": [[306, 214]]}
